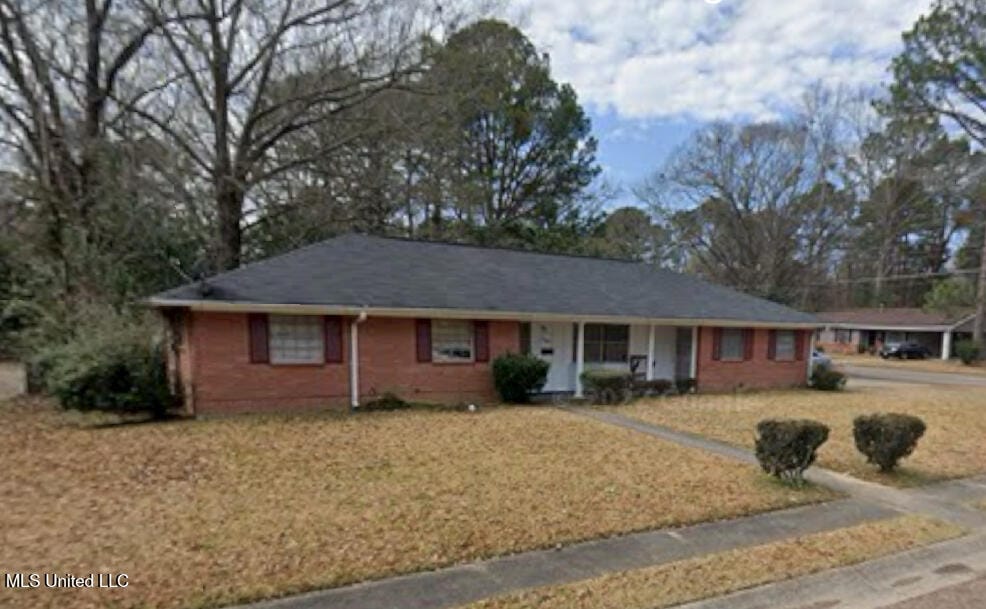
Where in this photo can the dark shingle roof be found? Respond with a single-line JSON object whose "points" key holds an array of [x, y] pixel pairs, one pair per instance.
{"points": [[358, 270]]}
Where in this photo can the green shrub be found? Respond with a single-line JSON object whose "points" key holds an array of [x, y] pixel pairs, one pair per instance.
{"points": [[968, 351], [607, 386], [387, 401], [825, 378], [685, 385], [786, 448], [118, 372], [885, 439], [652, 387], [516, 376]]}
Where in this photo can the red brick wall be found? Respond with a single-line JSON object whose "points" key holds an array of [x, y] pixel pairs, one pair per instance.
{"points": [[759, 372], [222, 379], [388, 362]]}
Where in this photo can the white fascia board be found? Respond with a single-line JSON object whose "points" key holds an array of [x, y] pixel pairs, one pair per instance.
{"points": [[885, 328], [304, 309]]}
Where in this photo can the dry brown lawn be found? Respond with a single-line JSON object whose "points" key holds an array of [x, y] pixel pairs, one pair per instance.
{"points": [[716, 574], [205, 513], [953, 366], [952, 447]]}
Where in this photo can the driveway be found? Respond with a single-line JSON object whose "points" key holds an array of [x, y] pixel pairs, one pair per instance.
{"points": [[921, 377]]}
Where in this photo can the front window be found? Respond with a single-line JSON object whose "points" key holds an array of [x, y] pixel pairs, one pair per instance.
{"points": [[784, 344], [296, 339], [605, 343], [843, 336], [731, 345], [451, 340]]}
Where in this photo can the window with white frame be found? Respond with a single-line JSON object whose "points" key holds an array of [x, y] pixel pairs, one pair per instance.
{"points": [[732, 345], [784, 345], [606, 343], [451, 340], [843, 337], [296, 339]]}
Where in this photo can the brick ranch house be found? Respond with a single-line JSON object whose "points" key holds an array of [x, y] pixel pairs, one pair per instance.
{"points": [[341, 321], [867, 330]]}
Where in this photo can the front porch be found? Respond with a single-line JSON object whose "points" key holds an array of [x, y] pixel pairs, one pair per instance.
{"points": [[648, 351]]}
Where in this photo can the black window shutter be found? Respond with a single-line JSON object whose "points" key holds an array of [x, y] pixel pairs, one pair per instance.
{"points": [[259, 345], [333, 339], [799, 344], [481, 340], [423, 339]]}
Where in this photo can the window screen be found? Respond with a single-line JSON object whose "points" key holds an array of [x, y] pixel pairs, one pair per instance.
{"points": [[296, 339], [451, 340]]}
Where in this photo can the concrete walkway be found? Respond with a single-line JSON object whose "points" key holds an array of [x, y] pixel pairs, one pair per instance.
{"points": [[462, 584], [918, 501]]}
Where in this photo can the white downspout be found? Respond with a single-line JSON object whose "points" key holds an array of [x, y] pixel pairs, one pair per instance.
{"points": [[354, 359], [693, 368]]}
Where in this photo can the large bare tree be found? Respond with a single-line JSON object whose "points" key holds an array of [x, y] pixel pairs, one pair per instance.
{"points": [[62, 63], [249, 74]]}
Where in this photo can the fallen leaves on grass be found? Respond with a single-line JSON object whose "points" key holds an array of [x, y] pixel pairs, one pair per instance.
{"points": [[206, 513], [721, 573], [951, 448]]}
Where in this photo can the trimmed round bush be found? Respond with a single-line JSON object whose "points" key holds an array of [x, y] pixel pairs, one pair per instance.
{"points": [[607, 386], [968, 351], [787, 447], [886, 438], [516, 376], [825, 378]]}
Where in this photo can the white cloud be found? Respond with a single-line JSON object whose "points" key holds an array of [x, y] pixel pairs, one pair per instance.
{"points": [[691, 59]]}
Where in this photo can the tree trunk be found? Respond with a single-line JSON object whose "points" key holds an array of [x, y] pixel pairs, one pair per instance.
{"points": [[229, 202], [978, 325]]}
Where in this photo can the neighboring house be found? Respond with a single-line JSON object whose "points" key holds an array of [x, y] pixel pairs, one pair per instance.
{"points": [[867, 330], [338, 322]]}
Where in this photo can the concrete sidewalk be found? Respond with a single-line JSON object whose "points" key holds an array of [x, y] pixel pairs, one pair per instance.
{"points": [[462, 584], [874, 584]]}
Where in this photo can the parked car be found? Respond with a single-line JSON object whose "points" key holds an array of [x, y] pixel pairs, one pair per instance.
{"points": [[819, 359], [904, 351]]}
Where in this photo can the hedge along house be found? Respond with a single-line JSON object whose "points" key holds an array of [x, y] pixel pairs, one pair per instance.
{"points": [[343, 320]]}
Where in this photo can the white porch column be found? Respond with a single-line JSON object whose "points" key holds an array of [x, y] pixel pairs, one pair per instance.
{"points": [[354, 359], [946, 344], [693, 368], [650, 353], [579, 357]]}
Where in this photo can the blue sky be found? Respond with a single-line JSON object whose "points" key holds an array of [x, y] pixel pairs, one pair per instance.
{"points": [[650, 72]]}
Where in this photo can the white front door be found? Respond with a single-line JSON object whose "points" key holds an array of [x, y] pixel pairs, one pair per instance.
{"points": [[552, 342]]}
